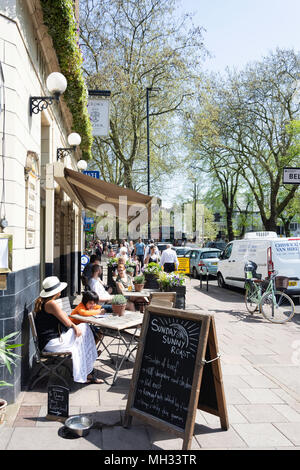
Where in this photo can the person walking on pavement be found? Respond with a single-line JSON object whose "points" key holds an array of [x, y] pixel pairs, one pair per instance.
{"points": [[169, 260], [140, 251]]}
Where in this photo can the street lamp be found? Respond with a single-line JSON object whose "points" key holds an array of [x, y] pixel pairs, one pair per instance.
{"points": [[74, 140], [56, 84], [149, 89]]}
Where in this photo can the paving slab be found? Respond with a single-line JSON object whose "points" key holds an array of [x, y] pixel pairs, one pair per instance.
{"points": [[264, 435], [214, 438], [119, 438], [288, 412], [5, 436], [260, 395], [291, 431], [261, 413], [49, 439]]}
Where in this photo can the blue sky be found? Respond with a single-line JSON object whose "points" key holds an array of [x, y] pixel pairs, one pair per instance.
{"points": [[239, 32], [242, 31]]}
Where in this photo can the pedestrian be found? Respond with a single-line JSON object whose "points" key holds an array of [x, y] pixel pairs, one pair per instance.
{"points": [[123, 253], [139, 251], [148, 248], [152, 256], [131, 249], [169, 260], [98, 249]]}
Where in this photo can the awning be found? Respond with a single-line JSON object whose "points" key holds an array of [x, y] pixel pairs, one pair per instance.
{"points": [[90, 193]]}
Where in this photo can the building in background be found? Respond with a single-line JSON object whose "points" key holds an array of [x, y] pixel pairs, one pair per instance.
{"points": [[43, 222]]}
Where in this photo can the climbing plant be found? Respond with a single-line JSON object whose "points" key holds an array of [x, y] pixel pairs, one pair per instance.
{"points": [[63, 28]]}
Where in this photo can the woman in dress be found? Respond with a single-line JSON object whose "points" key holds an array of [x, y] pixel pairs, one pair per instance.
{"points": [[153, 256], [57, 333]]}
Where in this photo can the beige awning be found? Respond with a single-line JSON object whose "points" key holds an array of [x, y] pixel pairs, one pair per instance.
{"points": [[90, 193]]}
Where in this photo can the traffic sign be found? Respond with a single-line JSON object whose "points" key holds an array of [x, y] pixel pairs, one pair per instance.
{"points": [[93, 174], [291, 176]]}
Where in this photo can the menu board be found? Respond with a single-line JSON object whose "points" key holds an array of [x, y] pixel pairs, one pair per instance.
{"points": [[166, 375], [177, 371], [58, 401]]}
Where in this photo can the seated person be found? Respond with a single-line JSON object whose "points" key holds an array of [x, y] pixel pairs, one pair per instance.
{"points": [[95, 284], [57, 333], [122, 282], [88, 306], [87, 272]]}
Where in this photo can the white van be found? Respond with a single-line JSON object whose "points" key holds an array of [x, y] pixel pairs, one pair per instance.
{"points": [[269, 252]]}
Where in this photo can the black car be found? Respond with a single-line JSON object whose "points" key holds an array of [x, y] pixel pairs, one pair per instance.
{"points": [[220, 245]]}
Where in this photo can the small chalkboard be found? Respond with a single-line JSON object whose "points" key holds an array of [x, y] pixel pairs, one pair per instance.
{"points": [[176, 371], [58, 402]]}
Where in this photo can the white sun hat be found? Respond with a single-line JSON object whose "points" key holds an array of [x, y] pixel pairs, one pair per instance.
{"points": [[52, 286]]}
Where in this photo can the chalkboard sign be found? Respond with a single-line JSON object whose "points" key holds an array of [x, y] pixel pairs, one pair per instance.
{"points": [[176, 371], [58, 402]]}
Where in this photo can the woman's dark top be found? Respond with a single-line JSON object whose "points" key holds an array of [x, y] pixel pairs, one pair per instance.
{"points": [[47, 327]]}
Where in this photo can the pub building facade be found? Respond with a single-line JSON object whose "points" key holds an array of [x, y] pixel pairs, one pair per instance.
{"points": [[41, 225]]}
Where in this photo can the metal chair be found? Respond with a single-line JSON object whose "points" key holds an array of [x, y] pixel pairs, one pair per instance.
{"points": [[49, 361]]}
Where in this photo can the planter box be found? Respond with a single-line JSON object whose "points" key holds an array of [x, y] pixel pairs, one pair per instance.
{"points": [[180, 295], [151, 281]]}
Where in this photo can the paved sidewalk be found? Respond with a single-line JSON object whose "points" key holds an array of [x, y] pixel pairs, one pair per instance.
{"points": [[260, 364]]}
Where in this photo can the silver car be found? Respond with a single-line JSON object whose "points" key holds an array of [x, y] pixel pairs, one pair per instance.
{"points": [[204, 260]]}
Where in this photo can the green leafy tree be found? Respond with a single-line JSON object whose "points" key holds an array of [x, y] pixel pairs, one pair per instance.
{"points": [[128, 47]]}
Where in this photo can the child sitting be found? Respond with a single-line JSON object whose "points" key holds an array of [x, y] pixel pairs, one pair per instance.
{"points": [[87, 307]]}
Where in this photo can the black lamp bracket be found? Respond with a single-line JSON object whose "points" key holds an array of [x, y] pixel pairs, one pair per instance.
{"points": [[39, 103]]}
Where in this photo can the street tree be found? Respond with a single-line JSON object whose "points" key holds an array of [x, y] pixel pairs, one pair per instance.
{"points": [[129, 46], [247, 128]]}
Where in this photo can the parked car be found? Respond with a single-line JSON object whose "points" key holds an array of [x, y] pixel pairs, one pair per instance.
{"points": [[220, 245], [269, 252], [205, 260], [182, 251]]}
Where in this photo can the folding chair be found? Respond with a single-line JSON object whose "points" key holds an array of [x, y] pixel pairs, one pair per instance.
{"points": [[163, 299], [49, 361]]}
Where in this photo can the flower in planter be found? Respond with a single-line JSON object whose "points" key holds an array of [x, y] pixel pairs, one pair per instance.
{"points": [[171, 279], [118, 299], [112, 261], [152, 268]]}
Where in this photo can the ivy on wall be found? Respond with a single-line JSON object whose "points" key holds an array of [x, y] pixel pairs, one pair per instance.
{"points": [[62, 26]]}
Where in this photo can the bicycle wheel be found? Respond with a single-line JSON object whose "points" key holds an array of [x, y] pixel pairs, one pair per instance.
{"points": [[251, 298], [282, 311]]}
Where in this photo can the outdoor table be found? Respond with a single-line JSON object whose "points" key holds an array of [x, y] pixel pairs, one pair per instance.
{"points": [[143, 293], [115, 327]]}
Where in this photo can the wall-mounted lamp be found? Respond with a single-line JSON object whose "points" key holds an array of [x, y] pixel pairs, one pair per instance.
{"points": [[82, 165], [56, 84], [74, 140]]}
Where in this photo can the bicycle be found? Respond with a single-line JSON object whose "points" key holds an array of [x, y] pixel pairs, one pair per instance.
{"points": [[275, 305]]}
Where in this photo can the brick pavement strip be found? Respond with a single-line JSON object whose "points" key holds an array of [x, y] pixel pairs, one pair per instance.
{"points": [[262, 390]]}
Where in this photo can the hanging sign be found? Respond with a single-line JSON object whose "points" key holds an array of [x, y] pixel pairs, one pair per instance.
{"points": [[177, 371], [98, 109]]}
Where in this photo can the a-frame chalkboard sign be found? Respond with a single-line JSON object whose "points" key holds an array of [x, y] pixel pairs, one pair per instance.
{"points": [[177, 371]]}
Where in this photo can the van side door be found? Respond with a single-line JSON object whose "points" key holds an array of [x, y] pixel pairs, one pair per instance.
{"points": [[224, 265]]}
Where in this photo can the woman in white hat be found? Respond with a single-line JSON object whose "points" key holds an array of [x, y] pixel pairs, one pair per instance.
{"points": [[57, 333]]}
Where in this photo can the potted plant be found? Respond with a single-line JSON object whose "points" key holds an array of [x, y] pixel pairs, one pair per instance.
{"points": [[174, 282], [151, 273], [139, 282], [130, 271], [7, 357], [118, 304]]}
